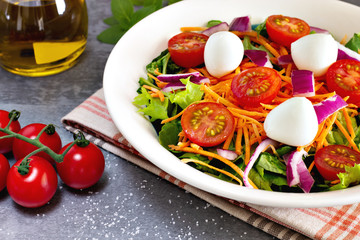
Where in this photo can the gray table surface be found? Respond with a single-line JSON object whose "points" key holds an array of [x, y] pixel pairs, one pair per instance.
{"points": [[128, 202]]}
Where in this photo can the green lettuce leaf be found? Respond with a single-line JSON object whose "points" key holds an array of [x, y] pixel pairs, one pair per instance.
{"points": [[169, 132], [354, 42], [351, 176], [191, 94], [151, 107]]}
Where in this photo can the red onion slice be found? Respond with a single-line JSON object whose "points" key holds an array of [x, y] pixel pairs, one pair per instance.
{"points": [[303, 83], [217, 28], [177, 77], [241, 24], [327, 107], [259, 149], [297, 172], [318, 30], [285, 59], [259, 57], [228, 154], [347, 53], [173, 86]]}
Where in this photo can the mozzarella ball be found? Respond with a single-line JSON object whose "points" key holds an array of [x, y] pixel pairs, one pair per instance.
{"points": [[314, 52], [293, 122], [223, 53]]}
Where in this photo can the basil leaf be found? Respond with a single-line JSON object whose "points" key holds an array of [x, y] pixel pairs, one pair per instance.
{"points": [[122, 10], [111, 35]]}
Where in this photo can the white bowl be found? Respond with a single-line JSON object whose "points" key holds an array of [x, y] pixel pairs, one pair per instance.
{"points": [[145, 41]]}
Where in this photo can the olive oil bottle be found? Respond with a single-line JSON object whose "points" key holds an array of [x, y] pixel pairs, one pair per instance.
{"points": [[41, 37]]}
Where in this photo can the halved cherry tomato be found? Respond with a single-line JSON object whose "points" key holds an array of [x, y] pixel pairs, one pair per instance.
{"points": [[207, 123], [256, 85], [332, 159], [285, 30], [343, 77], [187, 49]]}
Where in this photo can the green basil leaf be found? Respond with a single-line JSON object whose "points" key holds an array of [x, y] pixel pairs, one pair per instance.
{"points": [[111, 35], [122, 10]]}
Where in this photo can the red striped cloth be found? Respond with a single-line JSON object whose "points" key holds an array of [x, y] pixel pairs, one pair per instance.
{"points": [[342, 222]]}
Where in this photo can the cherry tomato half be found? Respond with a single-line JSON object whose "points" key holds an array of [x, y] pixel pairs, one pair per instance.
{"points": [[82, 166], [256, 85], [343, 77], [49, 138], [6, 143], [285, 30], [4, 169], [332, 159], [35, 188], [187, 49], [207, 123]]}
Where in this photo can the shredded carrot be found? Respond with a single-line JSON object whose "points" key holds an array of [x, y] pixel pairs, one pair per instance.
{"points": [[348, 123], [188, 160], [247, 144], [213, 155], [172, 118], [343, 40], [230, 137], [335, 182], [157, 92], [321, 139], [192, 29], [311, 166], [346, 134], [238, 144], [216, 96]]}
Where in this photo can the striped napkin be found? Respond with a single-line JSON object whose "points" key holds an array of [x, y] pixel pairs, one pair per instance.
{"points": [[342, 222]]}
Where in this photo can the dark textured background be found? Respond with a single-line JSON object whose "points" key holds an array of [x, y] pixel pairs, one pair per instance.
{"points": [[128, 202]]}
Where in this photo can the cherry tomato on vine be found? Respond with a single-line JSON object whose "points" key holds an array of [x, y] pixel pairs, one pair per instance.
{"points": [[4, 169], [6, 143], [332, 159], [343, 77], [187, 49], [34, 188], [83, 165], [50, 138], [207, 123], [285, 30], [256, 85]]}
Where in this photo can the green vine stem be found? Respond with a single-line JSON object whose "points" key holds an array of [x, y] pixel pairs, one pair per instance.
{"points": [[36, 142]]}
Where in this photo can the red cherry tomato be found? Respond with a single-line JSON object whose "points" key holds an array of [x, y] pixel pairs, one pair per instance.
{"points": [[49, 138], [332, 159], [285, 30], [187, 49], [35, 188], [207, 123], [82, 166], [6, 143], [256, 85], [343, 77], [4, 169]]}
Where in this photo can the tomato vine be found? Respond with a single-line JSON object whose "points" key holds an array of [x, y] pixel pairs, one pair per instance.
{"points": [[23, 168]]}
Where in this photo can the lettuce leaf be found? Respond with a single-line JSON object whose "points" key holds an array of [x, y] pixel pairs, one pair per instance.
{"points": [[354, 43], [351, 176], [191, 94], [153, 107], [169, 132]]}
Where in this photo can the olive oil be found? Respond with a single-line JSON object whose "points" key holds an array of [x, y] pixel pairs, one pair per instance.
{"points": [[41, 37]]}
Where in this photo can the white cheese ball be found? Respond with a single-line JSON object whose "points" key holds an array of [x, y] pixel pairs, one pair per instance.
{"points": [[223, 53], [293, 122], [314, 52]]}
